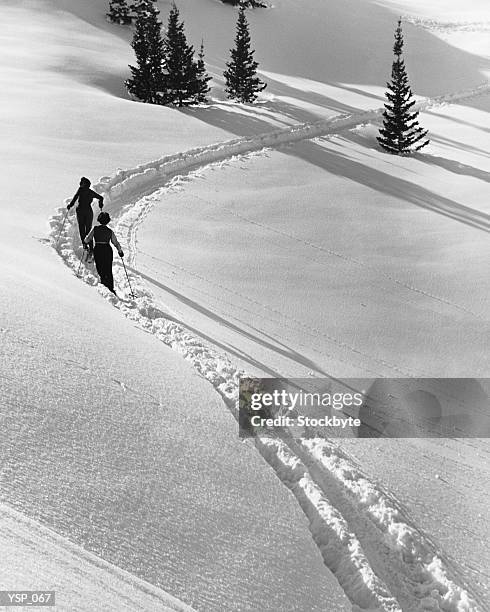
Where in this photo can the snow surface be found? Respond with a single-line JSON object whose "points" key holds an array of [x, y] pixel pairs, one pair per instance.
{"points": [[369, 275], [450, 10], [464, 25], [81, 581], [381, 559], [82, 451], [435, 589]]}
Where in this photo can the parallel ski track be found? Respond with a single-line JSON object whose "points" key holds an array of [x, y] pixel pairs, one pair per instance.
{"points": [[355, 524]]}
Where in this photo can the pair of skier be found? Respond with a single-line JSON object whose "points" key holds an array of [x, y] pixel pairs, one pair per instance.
{"points": [[100, 234]]}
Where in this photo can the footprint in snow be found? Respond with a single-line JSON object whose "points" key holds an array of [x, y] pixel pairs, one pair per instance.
{"points": [[42, 240]]}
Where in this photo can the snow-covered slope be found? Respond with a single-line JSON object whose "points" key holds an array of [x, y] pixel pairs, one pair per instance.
{"points": [[79, 400], [435, 588], [106, 449], [464, 25], [367, 275], [80, 580]]}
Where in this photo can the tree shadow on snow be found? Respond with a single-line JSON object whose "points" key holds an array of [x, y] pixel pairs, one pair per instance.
{"points": [[454, 166], [461, 121], [369, 143], [340, 164], [459, 145], [316, 98], [250, 120], [237, 123]]}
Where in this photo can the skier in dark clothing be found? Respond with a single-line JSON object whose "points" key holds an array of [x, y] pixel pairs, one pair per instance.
{"points": [[85, 215], [103, 236]]}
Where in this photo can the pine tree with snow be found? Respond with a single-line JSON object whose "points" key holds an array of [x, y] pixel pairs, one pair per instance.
{"points": [[140, 6], [242, 82], [202, 78], [148, 45], [401, 133], [119, 12], [181, 70]]}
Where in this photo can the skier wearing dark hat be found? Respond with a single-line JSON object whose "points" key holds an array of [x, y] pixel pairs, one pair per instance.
{"points": [[103, 236], [85, 215]]}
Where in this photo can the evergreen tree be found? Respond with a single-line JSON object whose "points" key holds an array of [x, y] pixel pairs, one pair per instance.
{"points": [[202, 87], [242, 82], [119, 12], [146, 82], [401, 132], [246, 3], [140, 6], [181, 70]]}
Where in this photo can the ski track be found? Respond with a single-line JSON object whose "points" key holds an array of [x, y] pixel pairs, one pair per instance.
{"points": [[382, 562], [447, 27]]}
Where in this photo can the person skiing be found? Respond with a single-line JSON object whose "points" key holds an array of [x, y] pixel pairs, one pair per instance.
{"points": [[85, 215], [103, 236]]}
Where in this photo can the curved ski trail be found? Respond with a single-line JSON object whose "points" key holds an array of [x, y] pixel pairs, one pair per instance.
{"points": [[381, 562]]}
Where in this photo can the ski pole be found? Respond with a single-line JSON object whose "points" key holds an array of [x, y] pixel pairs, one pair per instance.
{"points": [[80, 264], [62, 228], [124, 266]]}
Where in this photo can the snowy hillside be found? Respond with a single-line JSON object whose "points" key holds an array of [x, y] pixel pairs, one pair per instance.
{"points": [[81, 580], [274, 239]]}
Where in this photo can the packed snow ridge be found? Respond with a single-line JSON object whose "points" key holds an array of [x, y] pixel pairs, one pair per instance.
{"points": [[351, 518], [448, 26]]}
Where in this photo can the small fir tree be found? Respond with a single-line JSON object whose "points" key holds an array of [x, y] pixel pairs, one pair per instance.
{"points": [[140, 6], [202, 86], [242, 82], [147, 75], [246, 3], [119, 12], [401, 133], [181, 70]]}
